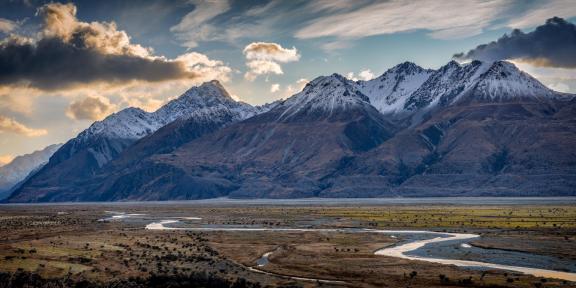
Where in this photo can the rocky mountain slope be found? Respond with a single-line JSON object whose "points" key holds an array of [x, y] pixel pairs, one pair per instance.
{"points": [[21, 167], [464, 130]]}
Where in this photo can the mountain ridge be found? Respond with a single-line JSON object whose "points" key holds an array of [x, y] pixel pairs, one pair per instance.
{"points": [[329, 140]]}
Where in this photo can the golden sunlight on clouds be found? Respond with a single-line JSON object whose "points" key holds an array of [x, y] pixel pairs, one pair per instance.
{"points": [[5, 159], [16, 100], [68, 53], [264, 58], [90, 108], [60, 21], [7, 26], [9, 125], [94, 56]]}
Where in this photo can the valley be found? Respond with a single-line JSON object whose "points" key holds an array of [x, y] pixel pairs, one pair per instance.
{"points": [[307, 244]]}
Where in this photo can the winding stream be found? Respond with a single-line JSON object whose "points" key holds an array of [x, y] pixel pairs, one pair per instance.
{"points": [[403, 251]]}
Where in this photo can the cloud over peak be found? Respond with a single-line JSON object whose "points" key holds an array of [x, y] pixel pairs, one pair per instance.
{"points": [[550, 45]]}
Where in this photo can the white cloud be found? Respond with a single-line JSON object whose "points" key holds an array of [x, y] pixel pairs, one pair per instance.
{"points": [[262, 67], [9, 125], [270, 51], [366, 75], [351, 76], [275, 88], [7, 26], [445, 19], [263, 58], [206, 68], [542, 11]]}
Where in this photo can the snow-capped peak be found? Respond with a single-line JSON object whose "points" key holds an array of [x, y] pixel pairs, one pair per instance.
{"points": [[478, 82], [323, 96], [389, 92], [205, 101], [129, 123], [503, 81], [447, 83]]}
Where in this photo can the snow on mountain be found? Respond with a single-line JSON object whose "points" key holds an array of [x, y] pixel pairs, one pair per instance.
{"points": [[324, 95], [21, 166], [503, 81], [389, 92], [448, 82], [130, 123], [479, 82], [202, 101], [206, 100]]}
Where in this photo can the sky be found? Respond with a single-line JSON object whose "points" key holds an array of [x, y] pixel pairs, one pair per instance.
{"points": [[64, 65]]}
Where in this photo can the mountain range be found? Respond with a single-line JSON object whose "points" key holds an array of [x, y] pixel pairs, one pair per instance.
{"points": [[475, 129]]}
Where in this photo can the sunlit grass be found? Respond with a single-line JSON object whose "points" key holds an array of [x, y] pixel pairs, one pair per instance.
{"points": [[474, 217]]}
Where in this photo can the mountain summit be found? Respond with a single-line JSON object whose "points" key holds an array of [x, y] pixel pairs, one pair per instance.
{"points": [[389, 92], [324, 97]]}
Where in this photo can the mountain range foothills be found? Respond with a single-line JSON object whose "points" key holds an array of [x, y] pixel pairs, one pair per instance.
{"points": [[478, 129]]}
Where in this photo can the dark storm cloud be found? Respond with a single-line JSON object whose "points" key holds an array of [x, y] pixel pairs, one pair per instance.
{"points": [[70, 52], [52, 63], [552, 44]]}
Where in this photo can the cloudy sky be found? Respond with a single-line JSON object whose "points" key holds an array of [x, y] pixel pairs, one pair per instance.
{"points": [[64, 65]]}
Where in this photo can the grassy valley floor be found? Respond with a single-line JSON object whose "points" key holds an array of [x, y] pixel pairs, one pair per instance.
{"points": [[84, 246]]}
